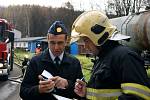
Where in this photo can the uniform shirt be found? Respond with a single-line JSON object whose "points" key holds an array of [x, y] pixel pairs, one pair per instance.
{"points": [[53, 57]]}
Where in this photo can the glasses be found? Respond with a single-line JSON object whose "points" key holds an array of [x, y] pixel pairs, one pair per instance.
{"points": [[59, 43]]}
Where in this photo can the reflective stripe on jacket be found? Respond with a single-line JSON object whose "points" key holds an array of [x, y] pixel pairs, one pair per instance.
{"points": [[136, 89], [103, 94]]}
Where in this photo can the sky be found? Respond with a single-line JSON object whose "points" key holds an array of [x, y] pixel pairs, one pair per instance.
{"points": [[78, 4]]}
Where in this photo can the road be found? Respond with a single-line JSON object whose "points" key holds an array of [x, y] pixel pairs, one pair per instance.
{"points": [[9, 90]]}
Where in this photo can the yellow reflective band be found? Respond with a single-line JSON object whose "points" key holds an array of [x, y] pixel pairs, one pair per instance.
{"points": [[136, 89], [103, 94]]}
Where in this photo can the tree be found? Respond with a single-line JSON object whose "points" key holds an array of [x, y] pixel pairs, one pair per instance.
{"points": [[147, 4], [68, 5], [124, 7], [34, 20]]}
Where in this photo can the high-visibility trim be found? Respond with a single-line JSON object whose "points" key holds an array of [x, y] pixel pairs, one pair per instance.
{"points": [[103, 94], [136, 89]]}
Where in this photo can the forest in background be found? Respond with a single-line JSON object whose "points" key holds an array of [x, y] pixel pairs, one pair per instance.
{"points": [[34, 20]]}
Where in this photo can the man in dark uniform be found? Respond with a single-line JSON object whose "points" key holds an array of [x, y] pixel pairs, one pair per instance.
{"points": [[65, 70], [38, 49], [118, 73], [25, 64]]}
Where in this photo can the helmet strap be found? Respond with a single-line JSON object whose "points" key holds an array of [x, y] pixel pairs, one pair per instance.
{"points": [[103, 38]]}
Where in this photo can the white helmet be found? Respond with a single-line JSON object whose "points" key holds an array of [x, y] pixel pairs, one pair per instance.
{"points": [[95, 25]]}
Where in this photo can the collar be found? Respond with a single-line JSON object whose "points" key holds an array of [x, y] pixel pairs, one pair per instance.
{"points": [[45, 56], [53, 57], [107, 47]]}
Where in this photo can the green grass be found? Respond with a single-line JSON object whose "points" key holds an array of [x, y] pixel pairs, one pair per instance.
{"points": [[148, 72], [20, 54], [86, 66]]}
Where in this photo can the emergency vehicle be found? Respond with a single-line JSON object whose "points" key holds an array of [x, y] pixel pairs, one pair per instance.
{"points": [[6, 49]]}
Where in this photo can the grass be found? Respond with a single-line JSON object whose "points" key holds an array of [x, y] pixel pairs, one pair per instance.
{"points": [[20, 54], [148, 72], [85, 62], [86, 66]]}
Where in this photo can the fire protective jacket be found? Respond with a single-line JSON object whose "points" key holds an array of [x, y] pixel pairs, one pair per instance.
{"points": [[69, 69], [118, 74]]}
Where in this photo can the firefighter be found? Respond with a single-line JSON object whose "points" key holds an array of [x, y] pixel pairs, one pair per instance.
{"points": [[118, 73], [38, 49], [25, 64]]}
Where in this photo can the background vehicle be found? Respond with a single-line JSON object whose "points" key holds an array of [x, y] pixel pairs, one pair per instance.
{"points": [[138, 27], [6, 49]]}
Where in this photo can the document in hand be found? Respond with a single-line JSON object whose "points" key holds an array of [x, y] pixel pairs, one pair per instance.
{"points": [[58, 97], [46, 74]]}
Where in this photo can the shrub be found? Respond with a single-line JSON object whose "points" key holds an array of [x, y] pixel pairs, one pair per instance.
{"points": [[86, 66]]}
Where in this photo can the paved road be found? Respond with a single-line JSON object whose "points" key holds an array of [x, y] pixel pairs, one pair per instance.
{"points": [[9, 90]]}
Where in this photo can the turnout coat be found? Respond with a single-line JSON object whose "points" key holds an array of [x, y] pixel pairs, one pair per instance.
{"points": [[118, 68]]}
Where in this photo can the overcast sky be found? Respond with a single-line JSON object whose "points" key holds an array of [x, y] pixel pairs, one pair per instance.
{"points": [[78, 4]]}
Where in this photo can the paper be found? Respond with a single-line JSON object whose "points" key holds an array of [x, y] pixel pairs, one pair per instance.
{"points": [[58, 97], [46, 74]]}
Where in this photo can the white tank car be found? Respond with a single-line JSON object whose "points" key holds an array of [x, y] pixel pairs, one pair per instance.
{"points": [[137, 26]]}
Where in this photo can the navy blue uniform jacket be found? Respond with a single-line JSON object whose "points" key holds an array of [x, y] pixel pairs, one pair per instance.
{"points": [[69, 69]]}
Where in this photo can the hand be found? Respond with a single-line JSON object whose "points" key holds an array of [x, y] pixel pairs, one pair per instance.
{"points": [[60, 82], [80, 88], [45, 85]]}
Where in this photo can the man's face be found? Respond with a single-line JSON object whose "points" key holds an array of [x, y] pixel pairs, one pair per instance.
{"points": [[89, 45], [56, 43]]}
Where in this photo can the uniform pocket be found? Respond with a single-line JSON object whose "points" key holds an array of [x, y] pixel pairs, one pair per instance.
{"points": [[103, 72]]}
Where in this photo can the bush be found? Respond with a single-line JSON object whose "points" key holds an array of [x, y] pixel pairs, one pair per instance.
{"points": [[19, 55], [148, 72], [86, 66]]}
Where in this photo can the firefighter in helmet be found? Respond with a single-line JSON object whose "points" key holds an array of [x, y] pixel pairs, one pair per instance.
{"points": [[119, 72], [38, 49], [25, 63]]}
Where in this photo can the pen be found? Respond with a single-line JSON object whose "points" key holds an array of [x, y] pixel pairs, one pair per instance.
{"points": [[82, 78]]}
